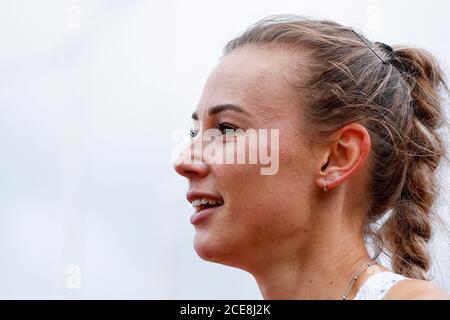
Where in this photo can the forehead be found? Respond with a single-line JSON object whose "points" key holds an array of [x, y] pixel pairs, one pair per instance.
{"points": [[254, 77]]}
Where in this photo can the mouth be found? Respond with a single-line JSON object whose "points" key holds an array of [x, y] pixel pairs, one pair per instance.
{"points": [[204, 205]]}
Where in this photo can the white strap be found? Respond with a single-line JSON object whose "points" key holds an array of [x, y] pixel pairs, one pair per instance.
{"points": [[377, 285]]}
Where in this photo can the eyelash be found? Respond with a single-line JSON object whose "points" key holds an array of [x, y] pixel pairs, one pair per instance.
{"points": [[193, 132], [221, 126], [224, 126]]}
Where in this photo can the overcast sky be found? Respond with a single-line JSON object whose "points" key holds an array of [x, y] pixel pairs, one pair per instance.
{"points": [[90, 94]]}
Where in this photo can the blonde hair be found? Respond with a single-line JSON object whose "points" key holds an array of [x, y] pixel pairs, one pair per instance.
{"points": [[396, 96]]}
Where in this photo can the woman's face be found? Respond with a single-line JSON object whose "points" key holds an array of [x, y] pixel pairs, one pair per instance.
{"points": [[261, 215]]}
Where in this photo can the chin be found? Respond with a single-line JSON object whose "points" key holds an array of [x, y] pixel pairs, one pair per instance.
{"points": [[221, 251], [205, 248], [213, 250]]}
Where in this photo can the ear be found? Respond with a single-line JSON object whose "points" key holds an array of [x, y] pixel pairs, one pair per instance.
{"points": [[344, 156]]}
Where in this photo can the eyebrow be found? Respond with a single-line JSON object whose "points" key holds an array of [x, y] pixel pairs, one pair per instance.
{"points": [[223, 107]]}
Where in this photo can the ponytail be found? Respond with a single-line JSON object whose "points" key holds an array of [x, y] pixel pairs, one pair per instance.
{"points": [[408, 231]]}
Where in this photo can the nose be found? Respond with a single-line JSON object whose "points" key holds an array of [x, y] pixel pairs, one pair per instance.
{"points": [[190, 164]]}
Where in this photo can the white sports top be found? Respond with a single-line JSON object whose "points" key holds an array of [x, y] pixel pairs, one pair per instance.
{"points": [[377, 285]]}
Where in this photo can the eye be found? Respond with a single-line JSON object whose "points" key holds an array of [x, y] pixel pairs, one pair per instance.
{"points": [[225, 128], [193, 132]]}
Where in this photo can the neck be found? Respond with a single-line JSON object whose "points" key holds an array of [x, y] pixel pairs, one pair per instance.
{"points": [[326, 280], [320, 267]]}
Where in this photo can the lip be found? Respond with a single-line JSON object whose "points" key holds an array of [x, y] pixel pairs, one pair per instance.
{"points": [[199, 217]]}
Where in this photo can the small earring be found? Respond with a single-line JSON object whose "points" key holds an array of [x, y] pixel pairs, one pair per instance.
{"points": [[325, 185]]}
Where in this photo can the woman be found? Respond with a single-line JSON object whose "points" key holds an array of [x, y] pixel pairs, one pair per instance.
{"points": [[358, 141]]}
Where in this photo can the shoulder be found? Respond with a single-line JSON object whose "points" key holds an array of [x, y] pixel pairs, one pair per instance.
{"points": [[413, 289]]}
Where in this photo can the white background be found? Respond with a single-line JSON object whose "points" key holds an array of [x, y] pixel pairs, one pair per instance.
{"points": [[90, 94]]}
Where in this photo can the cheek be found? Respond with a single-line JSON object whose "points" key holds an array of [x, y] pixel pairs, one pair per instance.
{"points": [[264, 206], [269, 205], [276, 206]]}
